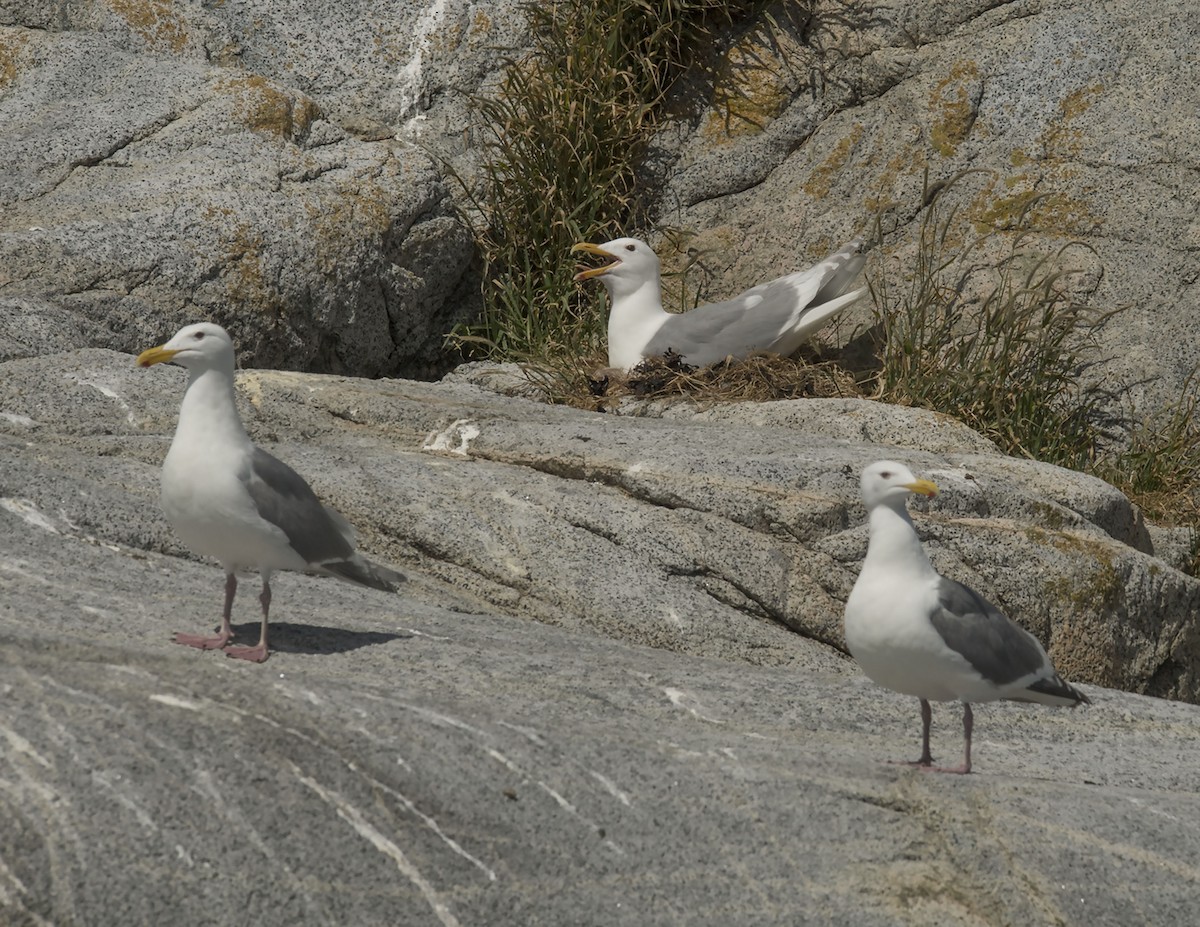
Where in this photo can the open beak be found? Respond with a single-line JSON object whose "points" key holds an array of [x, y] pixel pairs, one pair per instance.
{"points": [[924, 487], [152, 356], [594, 271]]}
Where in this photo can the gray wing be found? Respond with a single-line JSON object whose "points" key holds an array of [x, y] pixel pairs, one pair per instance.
{"points": [[283, 498], [775, 316], [715, 331], [318, 534], [996, 646], [1000, 650]]}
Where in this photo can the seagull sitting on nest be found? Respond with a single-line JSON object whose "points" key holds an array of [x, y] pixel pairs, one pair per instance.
{"points": [[777, 316], [918, 633], [234, 502]]}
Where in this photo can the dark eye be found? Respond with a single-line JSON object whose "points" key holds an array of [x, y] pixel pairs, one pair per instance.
{"points": [[199, 336], [631, 247], [886, 475]]}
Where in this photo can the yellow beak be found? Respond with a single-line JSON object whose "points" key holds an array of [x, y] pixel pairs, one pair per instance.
{"points": [[594, 271], [924, 487], [152, 356]]}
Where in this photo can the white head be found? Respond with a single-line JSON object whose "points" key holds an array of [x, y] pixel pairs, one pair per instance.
{"points": [[886, 482], [203, 346], [634, 264]]}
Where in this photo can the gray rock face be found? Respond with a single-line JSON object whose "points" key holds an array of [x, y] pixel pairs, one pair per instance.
{"points": [[149, 185], [437, 757]]}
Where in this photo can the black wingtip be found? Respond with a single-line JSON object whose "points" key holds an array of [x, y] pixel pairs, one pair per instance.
{"points": [[386, 579], [365, 573], [1057, 687]]}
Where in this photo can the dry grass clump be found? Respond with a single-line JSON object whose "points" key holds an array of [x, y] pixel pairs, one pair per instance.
{"points": [[562, 142], [1015, 358], [1158, 464], [1001, 344]]}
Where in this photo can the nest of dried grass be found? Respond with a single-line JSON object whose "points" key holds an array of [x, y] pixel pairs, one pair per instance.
{"points": [[758, 378]]}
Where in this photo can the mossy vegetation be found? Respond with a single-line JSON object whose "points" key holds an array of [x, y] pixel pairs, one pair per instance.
{"points": [[1100, 592]]}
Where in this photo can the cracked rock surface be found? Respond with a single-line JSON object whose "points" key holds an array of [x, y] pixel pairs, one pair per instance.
{"points": [[612, 691], [145, 186]]}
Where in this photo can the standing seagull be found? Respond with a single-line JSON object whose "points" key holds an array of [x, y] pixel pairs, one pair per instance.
{"points": [[777, 316], [234, 502], [921, 634]]}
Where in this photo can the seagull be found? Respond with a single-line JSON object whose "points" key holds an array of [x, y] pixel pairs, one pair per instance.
{"points": [[918, 633], [232, 501], [777, 316]]}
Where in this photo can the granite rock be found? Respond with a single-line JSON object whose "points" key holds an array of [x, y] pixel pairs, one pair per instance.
{"points": [[610, 693]]}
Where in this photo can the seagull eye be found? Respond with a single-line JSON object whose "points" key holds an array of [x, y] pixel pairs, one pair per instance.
{"points": [[199, 336], [886, 475], [630, 247]]}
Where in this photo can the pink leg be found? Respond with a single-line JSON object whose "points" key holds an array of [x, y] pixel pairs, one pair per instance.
{"points": [[258, 653], [926, 760], [222, 637], [968, 726]]}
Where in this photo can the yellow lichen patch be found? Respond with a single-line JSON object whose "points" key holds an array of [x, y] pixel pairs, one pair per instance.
{"points": [[357, 209], [1024, 204], [749, 92], [953, 103], [262, 106], [909, 161], [159, 26], [392, 46], [1060, 139], [447, 41], [245, 276], [369, 207], [1023, 198], [1080, 101], [821, 180], [1001, 212], [11, 43], [481, 24]]}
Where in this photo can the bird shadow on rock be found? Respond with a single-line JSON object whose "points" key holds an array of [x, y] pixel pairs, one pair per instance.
{"points": [[314, 638]]}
